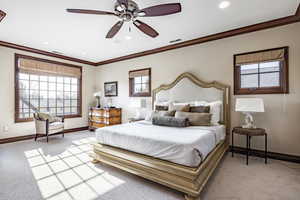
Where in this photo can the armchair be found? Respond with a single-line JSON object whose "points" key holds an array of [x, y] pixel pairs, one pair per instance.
{"points": [[47, 125]]}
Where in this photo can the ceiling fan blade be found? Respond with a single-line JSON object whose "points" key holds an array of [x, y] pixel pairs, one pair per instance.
{"points": [[145, 28], [160, 10], [124, 2], [96, 12], [115, 29]]}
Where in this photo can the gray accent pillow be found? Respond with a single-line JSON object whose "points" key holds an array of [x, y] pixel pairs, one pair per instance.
{"points": [[161, 108], [170, 121], [195, 119]]}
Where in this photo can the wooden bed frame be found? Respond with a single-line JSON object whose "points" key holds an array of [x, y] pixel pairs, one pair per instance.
{"points": [[189, 180]]}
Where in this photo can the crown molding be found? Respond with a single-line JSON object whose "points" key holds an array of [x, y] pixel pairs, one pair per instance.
{"points": [[2, 15], [46, 53]]}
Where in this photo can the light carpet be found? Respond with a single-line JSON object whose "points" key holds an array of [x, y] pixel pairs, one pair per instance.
{"points": [[61, 170]]}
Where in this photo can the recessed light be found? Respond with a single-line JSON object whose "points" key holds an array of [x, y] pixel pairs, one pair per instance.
{"points": [[46, 43], [224, 4], [83, 53]]}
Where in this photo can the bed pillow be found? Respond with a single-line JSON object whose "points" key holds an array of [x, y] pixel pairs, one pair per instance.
{"points": [[161, 107], [215, 110], [200, 109], [195, 119], [161, 113], [179, 107], [170, 121]]}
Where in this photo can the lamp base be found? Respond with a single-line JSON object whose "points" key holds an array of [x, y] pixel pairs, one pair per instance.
{"points": [[249, 122]]}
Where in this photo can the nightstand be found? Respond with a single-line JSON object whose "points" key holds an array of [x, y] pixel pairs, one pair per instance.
{"points": [[134, 120], [250, 132]]}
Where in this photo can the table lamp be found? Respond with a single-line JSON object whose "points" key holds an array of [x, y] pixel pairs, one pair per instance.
{"points": [[249, 106], [98, 96]]}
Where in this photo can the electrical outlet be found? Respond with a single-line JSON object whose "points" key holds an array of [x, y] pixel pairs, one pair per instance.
{"points": [[5, 128]]}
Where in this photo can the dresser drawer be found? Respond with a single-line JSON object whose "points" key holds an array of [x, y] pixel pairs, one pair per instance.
{"points": [[97, 125]]}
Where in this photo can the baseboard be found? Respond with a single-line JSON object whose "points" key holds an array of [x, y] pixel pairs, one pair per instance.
{"points": [[29, 137], [272, 155]]}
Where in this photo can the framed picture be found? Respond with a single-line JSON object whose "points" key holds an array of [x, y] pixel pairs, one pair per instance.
{"points": [[111, 89], [140, 83]]}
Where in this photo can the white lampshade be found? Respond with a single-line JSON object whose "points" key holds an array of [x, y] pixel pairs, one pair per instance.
{"points": [[97, 94], [249, 105]]}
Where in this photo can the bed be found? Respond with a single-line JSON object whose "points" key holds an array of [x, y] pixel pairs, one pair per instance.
{"points": [[161, 154]]}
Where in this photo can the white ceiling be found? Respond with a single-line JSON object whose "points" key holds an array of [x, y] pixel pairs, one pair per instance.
{"points": [[47, 26]]}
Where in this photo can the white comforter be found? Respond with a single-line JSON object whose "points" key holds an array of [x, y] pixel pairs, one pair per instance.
{"points": [[186, 146]]}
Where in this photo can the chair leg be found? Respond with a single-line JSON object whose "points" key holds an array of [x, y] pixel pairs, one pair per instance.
{"points": [[35, 137]]}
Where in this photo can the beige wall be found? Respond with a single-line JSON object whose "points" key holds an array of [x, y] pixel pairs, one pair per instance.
{"points": [[7, 108], [214, 61]]}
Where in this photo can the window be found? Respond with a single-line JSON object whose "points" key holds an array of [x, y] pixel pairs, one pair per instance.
{"points": [[46, 86], [261, 72], [140, 83]]}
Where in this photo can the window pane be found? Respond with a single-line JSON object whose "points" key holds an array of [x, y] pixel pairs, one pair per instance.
{"points": [[52, 86], [60, 87], [60, 79], [249, 81], [43, 78], [44, 86], [270, 80], [43, 94], [23, 84], [43, 102], [60, 95], [247, 69], [137, 88], [34, 103], [74, 110], [269, 66], [145, 79], [23, 76], [52, 111], [74, 81], [60, 111], [74, 95], [34, 85], [52, 102], [67, 80], [52, 79], [52, 94], [74, 103], [67, 87], [24, 94], [67, 95], [67, 110], [60, 103], [34, 94], [138, 79], [67, 103], [145, 88], [34, 77], [74, 88], [44, 110]]}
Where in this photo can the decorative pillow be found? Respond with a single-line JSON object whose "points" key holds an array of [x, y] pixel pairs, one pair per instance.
{"points": [[160, 107], [200, 109], [170, 121], [45, 116], [215, 110], [179, 107], [195, 119]]}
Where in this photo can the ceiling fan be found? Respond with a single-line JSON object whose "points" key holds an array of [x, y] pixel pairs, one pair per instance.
{"points": [[128, 11]]}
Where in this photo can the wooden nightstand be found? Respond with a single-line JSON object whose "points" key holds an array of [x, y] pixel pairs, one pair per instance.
{"points": [[249, 132], [134, 120]]}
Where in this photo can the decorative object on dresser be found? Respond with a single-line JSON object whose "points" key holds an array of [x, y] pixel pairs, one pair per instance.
{"points": [[140, 83], [249, 132], [248, 106], [101, 117], [111, 89], [98, 97]]}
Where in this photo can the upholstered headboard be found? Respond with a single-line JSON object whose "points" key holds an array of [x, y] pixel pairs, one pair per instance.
{"points": [[187, 88]]}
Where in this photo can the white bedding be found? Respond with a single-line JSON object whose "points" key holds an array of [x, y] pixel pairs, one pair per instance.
{"points": [[186, 146]]}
